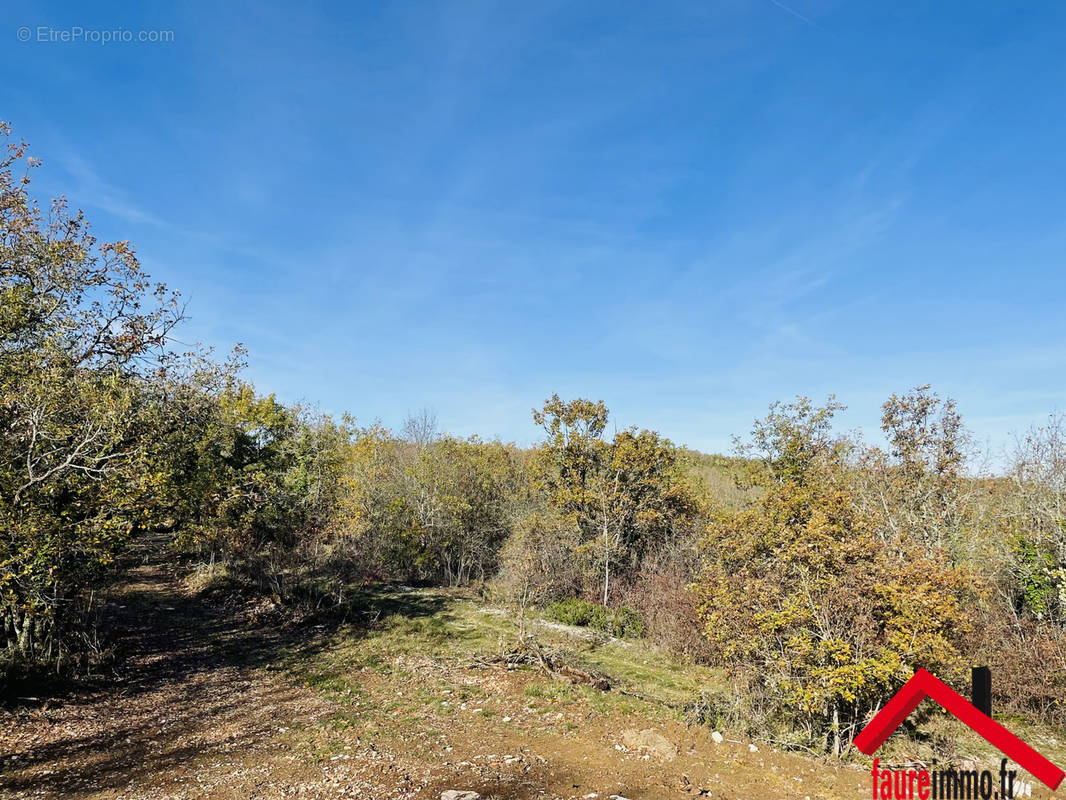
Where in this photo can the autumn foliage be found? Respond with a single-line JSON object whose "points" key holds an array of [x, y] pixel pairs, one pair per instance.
{"points": [[817, 570], [804, 601]]}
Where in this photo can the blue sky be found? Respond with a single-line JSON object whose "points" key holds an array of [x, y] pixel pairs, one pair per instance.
{"points": [[688, 210]]}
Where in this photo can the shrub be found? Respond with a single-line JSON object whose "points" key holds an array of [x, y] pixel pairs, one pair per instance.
{"points": [[536, 563], [804, 602], [1028, 662], [618, 622], [669, 611]]}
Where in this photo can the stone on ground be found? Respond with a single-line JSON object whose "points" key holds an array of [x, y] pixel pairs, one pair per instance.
{"points": [[650, 742]]}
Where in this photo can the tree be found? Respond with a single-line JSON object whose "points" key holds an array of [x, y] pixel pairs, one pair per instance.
{"points": [[622, 495], [83, 342], [922, 491], [461, 492], [1036, 520], [794, 441], [802, 600], [425, 506]]}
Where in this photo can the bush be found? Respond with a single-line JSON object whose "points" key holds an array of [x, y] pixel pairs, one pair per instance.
{"points": [[618, 622], [803, 601], [669, 610], [1028, 662]]}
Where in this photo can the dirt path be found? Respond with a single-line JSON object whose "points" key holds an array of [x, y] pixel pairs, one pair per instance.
{"points": [[191, 715]]}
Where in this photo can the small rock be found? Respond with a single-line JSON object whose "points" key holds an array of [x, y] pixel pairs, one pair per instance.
{"points": [[717, 738], [455, 794], [650, 742], [752, 748]]}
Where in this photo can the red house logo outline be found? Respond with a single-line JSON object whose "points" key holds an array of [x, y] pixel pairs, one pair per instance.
{"points": [[924, 684]]}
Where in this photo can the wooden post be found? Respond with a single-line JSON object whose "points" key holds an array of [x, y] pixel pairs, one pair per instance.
{"points": [[981, 689]]}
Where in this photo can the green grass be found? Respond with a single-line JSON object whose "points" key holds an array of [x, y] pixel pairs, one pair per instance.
{"points": [[448, 628]]}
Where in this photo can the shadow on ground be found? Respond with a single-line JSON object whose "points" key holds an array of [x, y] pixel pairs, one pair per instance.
{"points": [[184, 684]]}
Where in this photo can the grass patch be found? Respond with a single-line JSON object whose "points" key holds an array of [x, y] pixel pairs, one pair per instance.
{"points": [[405, 671]]}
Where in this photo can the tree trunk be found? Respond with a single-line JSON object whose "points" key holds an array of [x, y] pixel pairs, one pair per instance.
{"points": [[26, 634], [836, 730], [606, 550], [606, 563]]}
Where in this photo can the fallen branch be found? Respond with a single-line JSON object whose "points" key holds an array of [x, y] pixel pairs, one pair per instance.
{"points": [[530, 653]]}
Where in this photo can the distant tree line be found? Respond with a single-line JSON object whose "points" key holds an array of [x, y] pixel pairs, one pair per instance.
{"points": [[818, 570]]}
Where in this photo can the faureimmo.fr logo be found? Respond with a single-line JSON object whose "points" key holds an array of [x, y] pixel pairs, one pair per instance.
{"points": [[921, 784]]}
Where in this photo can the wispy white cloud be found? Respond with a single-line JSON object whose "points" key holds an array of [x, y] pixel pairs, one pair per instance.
{"points": [[95, 192], [796, 14]]}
